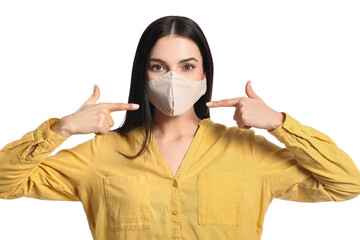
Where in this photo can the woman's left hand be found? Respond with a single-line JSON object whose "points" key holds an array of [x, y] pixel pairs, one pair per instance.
{"points": [[251, 111]]}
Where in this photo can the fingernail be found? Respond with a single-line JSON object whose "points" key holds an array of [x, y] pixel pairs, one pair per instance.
{"points": [[94, 88], [209, 104], [250, 84], [135, 105]]}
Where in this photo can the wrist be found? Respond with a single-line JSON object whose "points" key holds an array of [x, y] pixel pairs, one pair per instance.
{"points": [[278, 121], [61, 127]]}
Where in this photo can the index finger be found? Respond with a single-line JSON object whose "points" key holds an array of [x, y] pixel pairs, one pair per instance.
{"points": [[113, 107], [231, 102]]}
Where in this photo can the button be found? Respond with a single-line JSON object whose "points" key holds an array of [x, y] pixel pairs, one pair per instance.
{"points": [[175, 212], [175, 184]]}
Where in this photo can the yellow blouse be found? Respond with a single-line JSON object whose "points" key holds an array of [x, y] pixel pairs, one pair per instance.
{"points": [[222, 189]]}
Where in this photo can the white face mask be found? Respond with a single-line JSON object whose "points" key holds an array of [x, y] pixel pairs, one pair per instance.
{"points": [[174, 94]]}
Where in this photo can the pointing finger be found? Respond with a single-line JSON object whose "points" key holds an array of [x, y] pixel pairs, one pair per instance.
{"points": [[231, 102], [113, 107]]}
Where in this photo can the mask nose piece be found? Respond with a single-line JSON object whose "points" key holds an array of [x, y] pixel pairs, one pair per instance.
{"points": [[171, 73]]}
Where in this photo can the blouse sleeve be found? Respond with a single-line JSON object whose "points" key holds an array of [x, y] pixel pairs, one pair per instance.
{"points": [[38, 175], [310, 169]]}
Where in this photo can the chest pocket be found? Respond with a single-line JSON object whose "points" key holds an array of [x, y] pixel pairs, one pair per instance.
{"points": [[220, 196], [127, 200]]}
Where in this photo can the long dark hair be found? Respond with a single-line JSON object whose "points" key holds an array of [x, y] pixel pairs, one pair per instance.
{"points": [[169, 25]]}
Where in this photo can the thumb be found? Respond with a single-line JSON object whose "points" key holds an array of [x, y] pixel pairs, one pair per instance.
{"points": [[250, 92], [94, 97]]}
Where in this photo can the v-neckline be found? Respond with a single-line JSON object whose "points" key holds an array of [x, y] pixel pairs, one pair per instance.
{"points": [[193, 146]]}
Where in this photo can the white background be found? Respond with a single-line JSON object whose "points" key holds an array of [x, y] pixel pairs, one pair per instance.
{"points": [[302, 56]]}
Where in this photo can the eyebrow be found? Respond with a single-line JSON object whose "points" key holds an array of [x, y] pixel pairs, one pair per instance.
{"points": [[182, 61]]}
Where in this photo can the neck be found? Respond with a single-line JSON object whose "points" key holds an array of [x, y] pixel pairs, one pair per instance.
{"points": [[168, 127]]}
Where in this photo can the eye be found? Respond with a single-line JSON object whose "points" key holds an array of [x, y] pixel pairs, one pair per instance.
{"points": [[156, 68], [188, 67]]}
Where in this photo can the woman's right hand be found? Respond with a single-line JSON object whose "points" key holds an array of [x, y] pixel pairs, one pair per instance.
{"points": [[90, 117]]}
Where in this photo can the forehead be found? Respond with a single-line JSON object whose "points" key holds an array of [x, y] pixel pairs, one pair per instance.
{"points": [[175, 47]]}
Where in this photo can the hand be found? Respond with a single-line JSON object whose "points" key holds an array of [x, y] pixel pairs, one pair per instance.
{"points": [[90, 117], [251, 111]]}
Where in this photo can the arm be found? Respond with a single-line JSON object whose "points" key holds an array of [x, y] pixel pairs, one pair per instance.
{"points": [[26, 169], [310, 169], [34, 174]]}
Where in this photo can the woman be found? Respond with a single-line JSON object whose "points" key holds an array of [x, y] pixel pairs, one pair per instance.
{"points": [[170, 172]]}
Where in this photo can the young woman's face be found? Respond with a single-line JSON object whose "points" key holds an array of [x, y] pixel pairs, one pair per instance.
{"points": [[177, 54]]}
